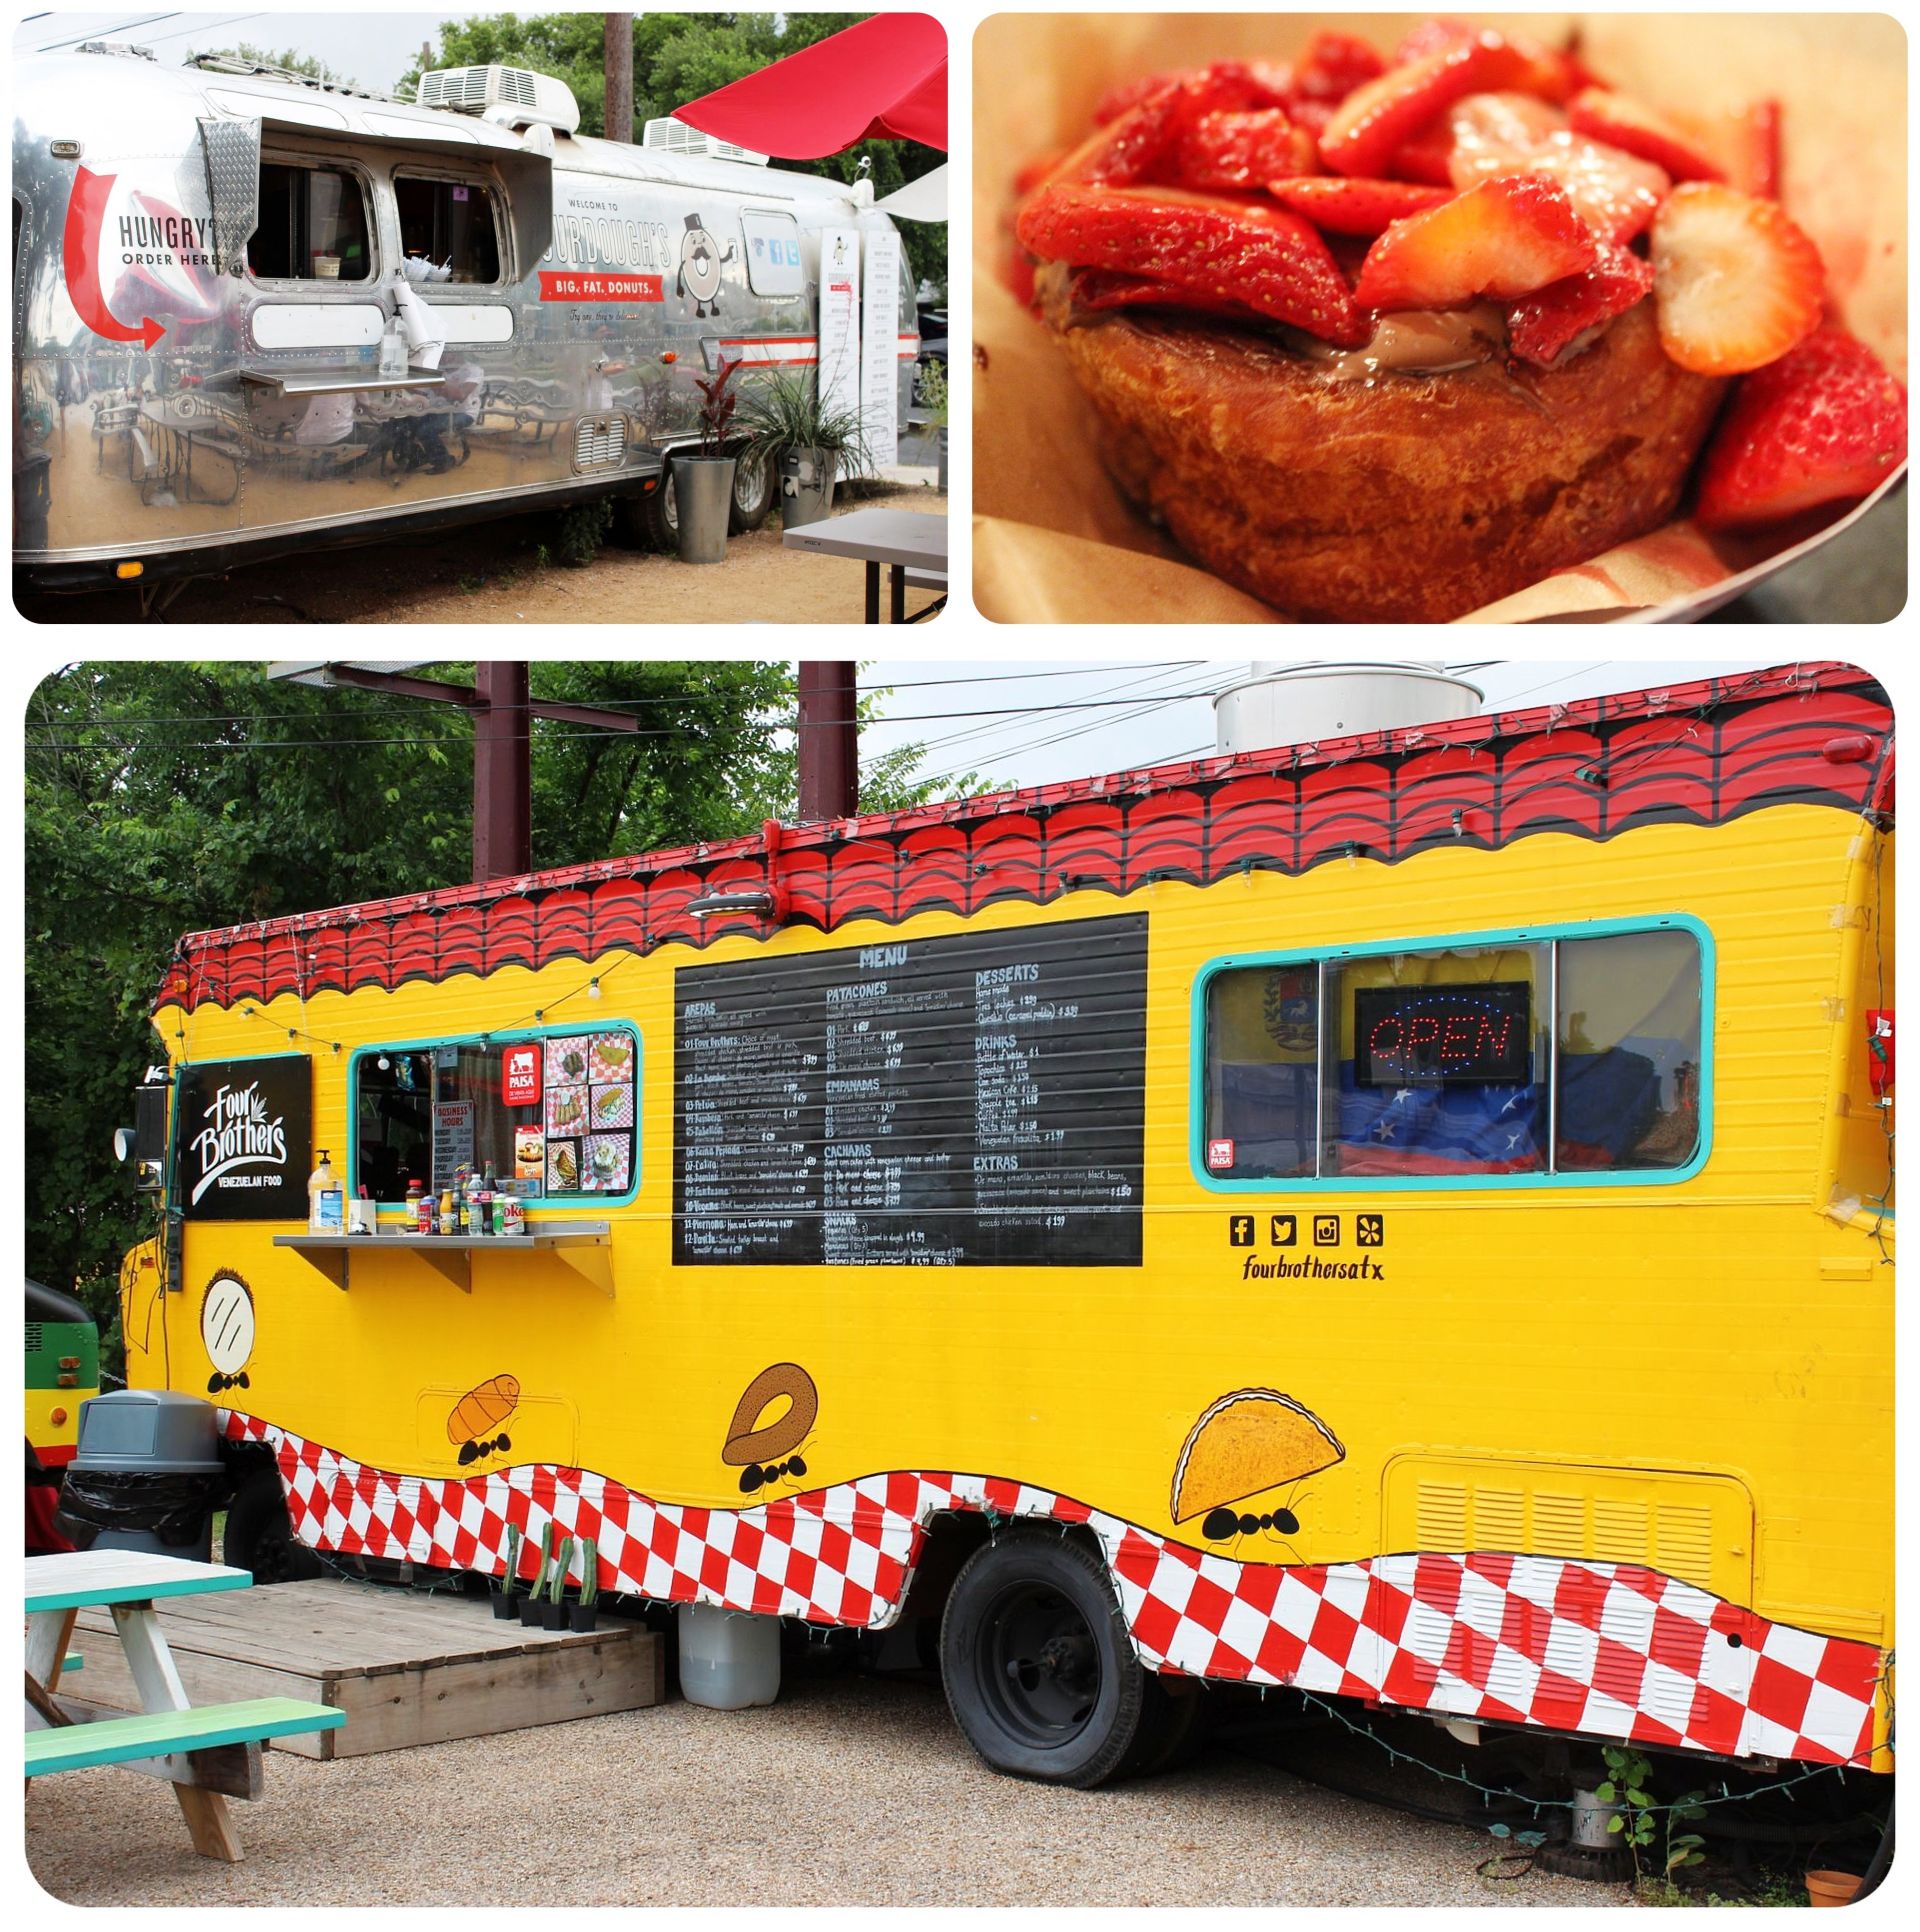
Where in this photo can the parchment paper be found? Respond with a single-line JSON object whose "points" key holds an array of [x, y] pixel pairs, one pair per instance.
{"points": [[1055, 542]]}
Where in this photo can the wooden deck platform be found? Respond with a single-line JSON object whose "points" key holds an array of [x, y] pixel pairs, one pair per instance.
{"points": [[406, 1668]]}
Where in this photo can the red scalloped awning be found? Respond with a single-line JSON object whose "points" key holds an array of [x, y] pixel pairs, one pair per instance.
{"points": [[884, 79]]}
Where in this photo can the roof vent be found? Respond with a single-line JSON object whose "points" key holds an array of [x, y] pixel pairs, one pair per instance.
{"points": [[1298, 704], [122, 49], [673, 136], [513, 96]]}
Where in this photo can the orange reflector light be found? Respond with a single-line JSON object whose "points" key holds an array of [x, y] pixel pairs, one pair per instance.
{"points": [[126, 570], [57, 1416]]}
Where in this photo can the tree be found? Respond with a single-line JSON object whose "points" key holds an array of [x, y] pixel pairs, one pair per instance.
{"points": [[163, 798], [307, 64], [678, 57]]}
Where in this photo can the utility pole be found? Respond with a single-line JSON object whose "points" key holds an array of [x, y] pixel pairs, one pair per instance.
{"points": [[829, 740], [503, 714], [619, 68]]}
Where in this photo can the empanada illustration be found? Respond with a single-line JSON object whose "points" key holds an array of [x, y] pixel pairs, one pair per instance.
{"points": [[1251, 1440]]}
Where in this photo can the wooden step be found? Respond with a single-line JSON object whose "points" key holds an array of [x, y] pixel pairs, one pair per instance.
{"points": [[152, 1734]]}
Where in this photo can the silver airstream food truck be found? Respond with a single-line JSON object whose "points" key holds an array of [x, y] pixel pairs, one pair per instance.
{"points": [[252, 310]]}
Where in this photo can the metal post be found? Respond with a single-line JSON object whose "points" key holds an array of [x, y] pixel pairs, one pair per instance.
{"points": [[829, 737], [619, 71], [502, 773]]}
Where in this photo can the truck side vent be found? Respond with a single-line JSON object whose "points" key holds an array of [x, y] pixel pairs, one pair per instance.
{"points": [[35, 1340], [599, 443]]}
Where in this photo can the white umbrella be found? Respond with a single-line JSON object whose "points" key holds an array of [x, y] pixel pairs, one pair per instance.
{"points": [[922, 200]]}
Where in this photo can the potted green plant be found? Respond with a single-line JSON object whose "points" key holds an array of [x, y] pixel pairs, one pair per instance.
{"points": [[553, 1613], [703, 478], [532, 1611], [504, 1606], [584, 1613], [811, 441]]}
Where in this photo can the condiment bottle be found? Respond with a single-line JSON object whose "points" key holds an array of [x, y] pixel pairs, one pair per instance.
{"points": [[413, 1200], [423, 1213], [446, 1211]]}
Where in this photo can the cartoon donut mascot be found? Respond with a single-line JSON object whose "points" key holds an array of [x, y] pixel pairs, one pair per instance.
{"points": [[700, 268]]}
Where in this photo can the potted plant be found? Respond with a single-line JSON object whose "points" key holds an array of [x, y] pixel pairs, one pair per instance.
{"points": [[532, 1611], [585, 1613], [553, 1613], [504, 1606], [933, 399], [703, 478], [812, 442]]}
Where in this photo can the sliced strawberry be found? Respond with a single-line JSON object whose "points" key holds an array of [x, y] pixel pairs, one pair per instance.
{"points": [[1231, 83], [1243, 251], [1241, 150], [1338, 205], [1141, 143], [1332, 67], [1553, 76], [1312, 115], [1541, 325], [1033, 172], [1503, 238], [1614, 193], [1824, 424], [1737, 284], [1752, 149], [1427, 157], [1097, 290], [1505, 123], [1626, 123], [1371, 125]]}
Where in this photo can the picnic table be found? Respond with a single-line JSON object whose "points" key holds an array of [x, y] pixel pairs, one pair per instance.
{"points": [[192, 1748], [911, 543]]}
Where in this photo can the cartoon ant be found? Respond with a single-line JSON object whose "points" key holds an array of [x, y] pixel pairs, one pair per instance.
{"points": [[478, 1411], [473, 1451], [1249, 1444]]}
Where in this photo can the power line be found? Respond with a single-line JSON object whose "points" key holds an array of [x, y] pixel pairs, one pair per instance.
{"points": [[106, 33]]}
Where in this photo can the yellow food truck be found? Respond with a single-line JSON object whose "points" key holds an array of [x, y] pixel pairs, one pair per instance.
{"points": [[1405, 1217]]}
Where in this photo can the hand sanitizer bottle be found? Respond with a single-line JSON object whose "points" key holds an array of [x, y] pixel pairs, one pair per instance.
{"points": [[393, 350]]}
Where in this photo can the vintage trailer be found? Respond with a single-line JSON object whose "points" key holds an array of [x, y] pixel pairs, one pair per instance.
{"points": [[206, 261], [1406, 1218]]}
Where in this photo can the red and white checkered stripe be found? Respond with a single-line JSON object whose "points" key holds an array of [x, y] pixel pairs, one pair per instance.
{"points": [[1608, 1649]]}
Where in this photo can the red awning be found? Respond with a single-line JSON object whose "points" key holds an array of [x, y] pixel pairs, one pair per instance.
{"points": [[884, 79]]}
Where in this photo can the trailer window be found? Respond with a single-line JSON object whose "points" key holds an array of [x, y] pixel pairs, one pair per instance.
{"points": [[555, 1116], [1569, 1055], [312, 226], [449, 225], [773, 253]]}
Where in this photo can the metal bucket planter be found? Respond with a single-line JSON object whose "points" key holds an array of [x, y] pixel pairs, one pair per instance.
{"points": [[806, 486], [703, 497]]}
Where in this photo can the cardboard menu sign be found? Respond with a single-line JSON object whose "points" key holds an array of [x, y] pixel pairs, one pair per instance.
{"points": [[1054, 540]]}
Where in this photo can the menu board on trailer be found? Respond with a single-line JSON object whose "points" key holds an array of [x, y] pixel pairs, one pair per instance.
{"points": [[840, 320], [966, 1101], [245, 1135], [452, 1139], [880, 348]]}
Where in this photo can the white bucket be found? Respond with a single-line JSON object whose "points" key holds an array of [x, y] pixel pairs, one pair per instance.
{"points": [[729, 1659], [327, 267]]}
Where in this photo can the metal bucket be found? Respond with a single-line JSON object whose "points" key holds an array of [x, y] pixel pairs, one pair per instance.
{"points": [[806, 486], [703, 497]]}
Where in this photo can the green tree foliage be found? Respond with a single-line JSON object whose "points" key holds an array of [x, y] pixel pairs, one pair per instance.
{"points": [[164, 798], [307, 64], [678, 57]]}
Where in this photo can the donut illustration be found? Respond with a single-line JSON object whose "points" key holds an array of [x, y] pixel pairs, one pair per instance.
{"points": [[226, 1327], [480, 1411], [763, 1452]]}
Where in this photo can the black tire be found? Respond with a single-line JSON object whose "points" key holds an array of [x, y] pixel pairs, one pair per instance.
{"points": [[1039, 1673], [660, 511], [756, 484], [1172, 1729], [631, 529], [259, 1537]]}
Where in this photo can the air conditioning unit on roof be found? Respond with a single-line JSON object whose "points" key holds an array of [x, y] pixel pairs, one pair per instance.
{"points": [[513, 96], [672, 136]]}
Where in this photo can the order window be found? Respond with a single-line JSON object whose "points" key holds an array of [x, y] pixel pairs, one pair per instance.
{"points": [[556, 1117], [451, 225], [1579, 1054], [312, 226]]}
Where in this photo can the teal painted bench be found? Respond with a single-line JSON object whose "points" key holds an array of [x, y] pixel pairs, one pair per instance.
{"points": [[154, 1734]]}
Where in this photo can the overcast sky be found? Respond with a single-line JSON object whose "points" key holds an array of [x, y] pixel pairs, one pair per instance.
{"points": [[1048, 720], [372, 49]]}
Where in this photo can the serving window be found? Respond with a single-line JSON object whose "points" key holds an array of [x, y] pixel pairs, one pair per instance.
{"points": [[312, 226], [556, 1115], [1578, 1054], [774, 264], [452, 225]]}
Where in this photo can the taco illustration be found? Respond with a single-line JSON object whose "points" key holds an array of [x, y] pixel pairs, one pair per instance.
{"points": [[1251, 1440]]}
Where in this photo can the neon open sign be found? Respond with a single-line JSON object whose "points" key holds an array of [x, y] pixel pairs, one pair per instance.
{"points": [[1443, 1035]]}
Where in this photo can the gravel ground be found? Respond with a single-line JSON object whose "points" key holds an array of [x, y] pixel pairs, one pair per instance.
{"points": [[851, 1790]]}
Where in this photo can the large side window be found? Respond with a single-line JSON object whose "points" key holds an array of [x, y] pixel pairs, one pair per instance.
{"points": [[313, 225], [451, 226], [556, 1117], [774, 266], [1581, 1054]]}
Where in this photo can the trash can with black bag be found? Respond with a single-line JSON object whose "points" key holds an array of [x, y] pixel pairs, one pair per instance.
{"points": [[147, 1474]]}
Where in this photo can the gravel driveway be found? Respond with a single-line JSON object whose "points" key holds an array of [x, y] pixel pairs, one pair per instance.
{"points": [[850, 1791]]}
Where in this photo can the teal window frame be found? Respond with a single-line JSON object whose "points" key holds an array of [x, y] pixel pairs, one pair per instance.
{"points": [[538, 1203], [1321, 957]]}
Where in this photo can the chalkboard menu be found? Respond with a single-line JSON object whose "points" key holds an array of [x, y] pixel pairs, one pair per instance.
{"points": [[966, 1101]]}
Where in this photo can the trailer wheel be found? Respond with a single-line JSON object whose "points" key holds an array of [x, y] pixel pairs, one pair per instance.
{"points": [[660, 510], [755, 484], [1039, 1673], [260, 1538]]}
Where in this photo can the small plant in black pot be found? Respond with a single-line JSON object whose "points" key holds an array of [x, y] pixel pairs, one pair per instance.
{"points": [[532, 1610], [585, 1613], [553, 1613], [504, 1605]]}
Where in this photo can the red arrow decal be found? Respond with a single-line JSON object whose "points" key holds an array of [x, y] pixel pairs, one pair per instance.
{"points": [[85, 212]]}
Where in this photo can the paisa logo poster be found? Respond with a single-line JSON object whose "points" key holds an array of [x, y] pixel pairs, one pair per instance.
{"points": [[245, 1130]]}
